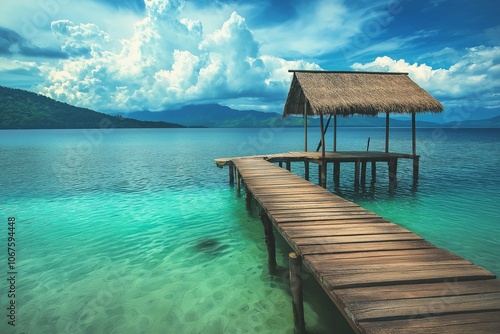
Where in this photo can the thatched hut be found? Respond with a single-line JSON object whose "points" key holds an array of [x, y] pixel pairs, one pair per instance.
{"points": [[318, 93]]}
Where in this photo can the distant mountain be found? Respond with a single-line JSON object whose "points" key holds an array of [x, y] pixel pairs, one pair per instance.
{"points": [[20, 109], [217, 116]]}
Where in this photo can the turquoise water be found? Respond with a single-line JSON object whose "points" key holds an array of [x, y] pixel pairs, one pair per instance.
{"points": [[137, 231]]}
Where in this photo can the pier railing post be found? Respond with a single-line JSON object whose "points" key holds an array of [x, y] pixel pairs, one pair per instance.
{"points": [[296, 289], [270, 241]]}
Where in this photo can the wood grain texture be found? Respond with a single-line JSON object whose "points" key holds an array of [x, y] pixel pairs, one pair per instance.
{"points": [[382, 277]]}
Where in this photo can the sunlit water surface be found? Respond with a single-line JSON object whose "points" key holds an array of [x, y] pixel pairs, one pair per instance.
{"points": [[137, 231]]}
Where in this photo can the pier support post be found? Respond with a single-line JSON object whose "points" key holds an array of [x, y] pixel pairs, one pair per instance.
{"points": [[322, 173], [336, 173], [288, 165], [363, 173], [280, 163], [393, 170], [270, 241], [248, 199], [238, 182], [231, 174], [416, 165], [306, 170], [296, 289], [374, 171], [356, 173]]}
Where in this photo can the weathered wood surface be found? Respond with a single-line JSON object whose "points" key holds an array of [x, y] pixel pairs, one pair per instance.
{"points": [[347, 156], [382, 277]]}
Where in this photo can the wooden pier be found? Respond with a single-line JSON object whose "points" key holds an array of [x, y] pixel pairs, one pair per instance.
{"points": [[360, 159], [382, 277]]}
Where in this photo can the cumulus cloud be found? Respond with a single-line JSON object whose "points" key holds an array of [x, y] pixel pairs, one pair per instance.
{"points": [[168, 61], [475, 75]]}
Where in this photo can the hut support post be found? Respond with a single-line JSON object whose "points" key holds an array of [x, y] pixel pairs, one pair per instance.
{"points": [[296, 289], [270, 242], [356, 173], [387, 132], [305, 125], [335, 133], [414, 147], [413, 134], [231, 174], [306, 169], [322, 135]]}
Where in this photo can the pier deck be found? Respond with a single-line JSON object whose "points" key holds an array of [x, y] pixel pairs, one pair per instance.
{"points": [[382, 277], [359, 158]]}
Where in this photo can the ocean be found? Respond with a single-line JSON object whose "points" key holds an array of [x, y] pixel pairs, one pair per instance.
{"points": [[137, 230]]}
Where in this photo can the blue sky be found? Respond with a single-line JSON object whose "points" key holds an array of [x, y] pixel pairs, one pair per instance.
{"points": [[124, 55]]}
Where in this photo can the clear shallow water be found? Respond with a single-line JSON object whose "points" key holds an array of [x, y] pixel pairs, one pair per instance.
{"points": [[137, 231]]}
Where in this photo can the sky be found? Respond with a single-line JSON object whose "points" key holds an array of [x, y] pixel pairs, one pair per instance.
{"points": [[129, 55]]}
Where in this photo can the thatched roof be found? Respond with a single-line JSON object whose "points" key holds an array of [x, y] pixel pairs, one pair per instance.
{"points": [[348, 93]]}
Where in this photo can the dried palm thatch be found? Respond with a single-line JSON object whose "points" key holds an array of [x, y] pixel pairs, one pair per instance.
{"points": [[349, 93]]}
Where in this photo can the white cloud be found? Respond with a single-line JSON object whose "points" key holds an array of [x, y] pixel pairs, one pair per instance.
{"points": [[474, 76], [167, 61]]}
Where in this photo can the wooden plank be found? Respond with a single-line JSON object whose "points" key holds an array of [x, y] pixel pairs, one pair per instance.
{"points": [[339, 216], [323, 237], [419, 256], [422, 307], [337, 221], [409, 291], [364, 247], [400, 274], [301, 230], [476, 323]]}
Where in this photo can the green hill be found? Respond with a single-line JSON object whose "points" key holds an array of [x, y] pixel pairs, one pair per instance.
{"points": [[20, 109]]}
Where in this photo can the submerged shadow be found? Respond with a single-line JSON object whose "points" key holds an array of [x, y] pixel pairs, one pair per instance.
{"points": [[210, 246]]}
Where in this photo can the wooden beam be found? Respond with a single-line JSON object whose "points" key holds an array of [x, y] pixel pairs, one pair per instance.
{"points": [[363, 173], [238, 182], [356, 173], [336, 173], [305, 123], [322, 135], [296, 289], [387, 132], [335, 133], [231, 174], [413, 134], [270, 241]]}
